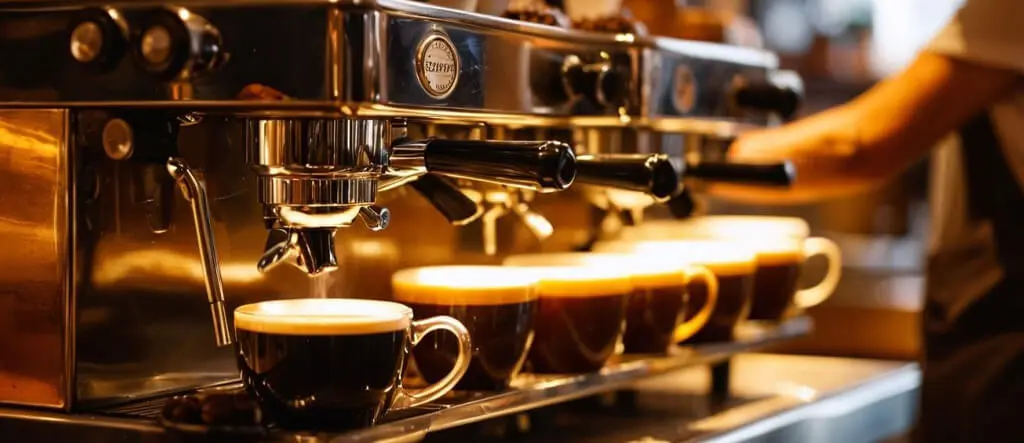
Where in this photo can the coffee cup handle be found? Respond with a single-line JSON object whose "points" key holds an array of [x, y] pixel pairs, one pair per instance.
{"points": [[688, 328], [817, 294], [409, 398]]}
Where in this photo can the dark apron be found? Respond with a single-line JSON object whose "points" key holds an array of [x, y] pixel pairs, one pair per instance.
{"points": [[973, 363]]}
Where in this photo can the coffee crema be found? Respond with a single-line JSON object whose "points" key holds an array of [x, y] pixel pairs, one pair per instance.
{"points": [[732, 265], [497, 305], [316, 363], [582, 311]]}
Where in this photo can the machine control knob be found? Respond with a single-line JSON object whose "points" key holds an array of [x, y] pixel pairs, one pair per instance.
{"points": [[599, 82], [175, 42], [780, 97], [97, 38]]}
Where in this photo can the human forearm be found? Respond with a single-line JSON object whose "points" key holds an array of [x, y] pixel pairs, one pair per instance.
{"points": [[900, 120], [875, 137]]}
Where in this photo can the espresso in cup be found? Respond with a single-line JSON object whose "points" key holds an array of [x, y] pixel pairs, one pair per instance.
{"points": [[582, 313], [781, 244], [656, 307], [661, 309], [335, 363], [498, 305], [732, 265]]}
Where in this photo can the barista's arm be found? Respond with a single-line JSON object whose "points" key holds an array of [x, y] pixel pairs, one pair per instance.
{"points": [[873, 138]]}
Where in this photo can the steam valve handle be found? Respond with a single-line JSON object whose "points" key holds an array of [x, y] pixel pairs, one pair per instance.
{"points": [[652, 174]]}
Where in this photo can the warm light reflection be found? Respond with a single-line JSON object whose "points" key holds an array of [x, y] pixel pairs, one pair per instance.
{"points": [[577, 274], [465, 277], [122, 267], [695, 251]]}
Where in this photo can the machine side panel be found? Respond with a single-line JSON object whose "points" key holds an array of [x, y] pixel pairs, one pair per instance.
{"points": [[34, 298]]}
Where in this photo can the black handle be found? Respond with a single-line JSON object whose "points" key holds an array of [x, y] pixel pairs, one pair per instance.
{"points": [[538, 165], [768, 174], [649, 173], [447, 199], [765, 96]]}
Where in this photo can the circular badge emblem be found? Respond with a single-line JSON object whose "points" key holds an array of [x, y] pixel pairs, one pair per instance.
{"points": [[684, 89], [437, 65]]}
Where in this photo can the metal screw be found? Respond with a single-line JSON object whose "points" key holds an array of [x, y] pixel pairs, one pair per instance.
{"points": [[118, 139], [86, 42]]}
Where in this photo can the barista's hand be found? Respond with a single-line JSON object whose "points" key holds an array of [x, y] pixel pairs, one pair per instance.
{"points": [[876, 136], [827, 139], [822, 148]]}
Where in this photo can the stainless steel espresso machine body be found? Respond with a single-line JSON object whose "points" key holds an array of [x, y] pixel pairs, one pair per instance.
{"points": [[157, 155]]}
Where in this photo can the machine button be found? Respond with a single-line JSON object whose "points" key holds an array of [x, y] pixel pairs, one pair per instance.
{"points": [[97, 38], [86, 42], [156, 45], [175, 42]]}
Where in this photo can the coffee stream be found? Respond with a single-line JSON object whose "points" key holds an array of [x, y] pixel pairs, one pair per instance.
{"points": [[320, 284]]}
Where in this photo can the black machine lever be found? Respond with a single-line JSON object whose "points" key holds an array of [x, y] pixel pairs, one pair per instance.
{"points": [[683, 205], [766, 174], [544, 166], [652, 174]]}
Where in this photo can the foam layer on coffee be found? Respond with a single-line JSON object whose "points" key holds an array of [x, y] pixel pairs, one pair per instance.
{"points": [[323, 316], [464, 285], [576, 274], [748, 226], [720, 257], [726, 227], [643, 272]]}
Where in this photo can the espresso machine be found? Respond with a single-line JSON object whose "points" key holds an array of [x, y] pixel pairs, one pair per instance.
{"points": [[166, 163]]}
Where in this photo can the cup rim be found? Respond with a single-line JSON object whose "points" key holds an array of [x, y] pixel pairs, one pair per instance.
{"points": [[464, 285], [323, 316]]}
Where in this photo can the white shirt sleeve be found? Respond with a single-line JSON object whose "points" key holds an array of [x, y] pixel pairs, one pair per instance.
{"points": [[989, 32]]}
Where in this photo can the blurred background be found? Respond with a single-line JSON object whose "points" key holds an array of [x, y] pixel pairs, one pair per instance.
{"points": [[841, 48]]}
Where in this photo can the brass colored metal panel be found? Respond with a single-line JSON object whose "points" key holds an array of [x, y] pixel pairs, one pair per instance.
{"points": [[34, 270]]}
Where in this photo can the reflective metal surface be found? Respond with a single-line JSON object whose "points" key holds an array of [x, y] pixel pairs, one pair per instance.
{"points": [[300, 117], [775, 398], [36, 305]]}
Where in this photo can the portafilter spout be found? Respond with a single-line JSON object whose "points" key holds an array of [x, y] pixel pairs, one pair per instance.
{"points": [[315, 176]]}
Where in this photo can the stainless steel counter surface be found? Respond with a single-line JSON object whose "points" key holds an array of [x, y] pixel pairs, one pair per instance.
{"points": [[775, 398]]}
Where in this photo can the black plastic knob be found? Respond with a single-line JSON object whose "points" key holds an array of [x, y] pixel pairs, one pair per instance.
{"points": [[598, 82], [652, 174], [767, 97], [96, 40], [172, 41]]}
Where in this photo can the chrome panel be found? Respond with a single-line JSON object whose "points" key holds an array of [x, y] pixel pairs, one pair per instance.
{"points": [[34, 285]]}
